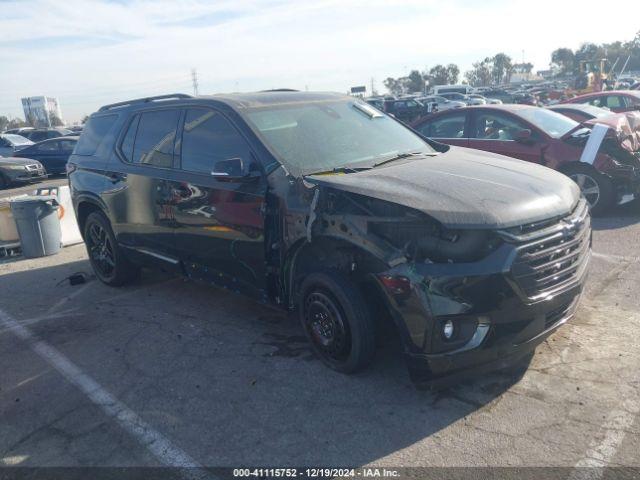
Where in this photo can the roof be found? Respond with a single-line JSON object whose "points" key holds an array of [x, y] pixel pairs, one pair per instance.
{"points": [[238, 101], [634, 93], [274, 97]]}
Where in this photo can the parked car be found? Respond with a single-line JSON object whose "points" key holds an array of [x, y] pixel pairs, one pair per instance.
{"points": [[615, 100], [580, 112], [18, 131], [19, 170], [318, 202], [11, 143], [466, 99], [52, 153], [483, 100], [499, 94], [605, 171], [442, 103], [406, 109], [39, 134]]}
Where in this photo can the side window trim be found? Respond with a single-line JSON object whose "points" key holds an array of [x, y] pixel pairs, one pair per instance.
{"points": [[241, 134], [138, 115]]}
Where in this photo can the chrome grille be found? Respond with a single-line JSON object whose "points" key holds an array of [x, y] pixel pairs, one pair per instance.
{"points": [[554, 257]]}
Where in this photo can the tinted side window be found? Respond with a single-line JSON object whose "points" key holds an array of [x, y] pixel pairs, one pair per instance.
{"points": [[496, 126], [67, 146], [209, 137], [47, 147], [451, 126], [94, 131], [155, 137]]}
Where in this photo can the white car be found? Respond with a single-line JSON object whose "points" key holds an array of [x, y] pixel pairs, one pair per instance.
{"points": [[442, 103], [11, 143]]}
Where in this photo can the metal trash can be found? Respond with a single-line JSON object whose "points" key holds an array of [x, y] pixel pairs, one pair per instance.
{"points": [[38, 225]]}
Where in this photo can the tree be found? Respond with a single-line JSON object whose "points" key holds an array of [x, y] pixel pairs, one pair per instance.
{"points": [[16, 123], [438, 75], [4, 121], [414, 82], [502, 68], [482, 73], [393, 85], [522, 67], [564, 60], [453, 72]]}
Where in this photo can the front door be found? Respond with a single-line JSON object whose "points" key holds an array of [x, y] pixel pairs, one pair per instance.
{"points": [[496, 132], [219, 222], [449, 128]]}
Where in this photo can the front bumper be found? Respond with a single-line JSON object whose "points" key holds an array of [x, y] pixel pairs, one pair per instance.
{"points": [[28, 176], [498, 315]]}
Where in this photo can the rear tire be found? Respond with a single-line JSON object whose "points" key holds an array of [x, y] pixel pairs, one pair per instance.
{"points": [[596, 187], [109, 263], [337, 322]]}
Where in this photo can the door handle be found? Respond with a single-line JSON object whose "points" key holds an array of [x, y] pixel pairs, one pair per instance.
{"points": [[115, 177]]}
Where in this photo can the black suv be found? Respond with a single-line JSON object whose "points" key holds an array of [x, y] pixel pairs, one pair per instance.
{"points": [[318, 202]]}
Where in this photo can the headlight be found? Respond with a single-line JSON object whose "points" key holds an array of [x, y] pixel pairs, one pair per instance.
{"points": [[17, 167]]}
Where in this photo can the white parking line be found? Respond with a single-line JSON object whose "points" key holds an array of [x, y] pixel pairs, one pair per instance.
{"points": [[612, 433], [152, 440]]}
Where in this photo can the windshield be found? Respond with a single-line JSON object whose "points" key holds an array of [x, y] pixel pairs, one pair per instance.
{"points": [[17, 139], [597, 112], [322, 136], [553, 124]]}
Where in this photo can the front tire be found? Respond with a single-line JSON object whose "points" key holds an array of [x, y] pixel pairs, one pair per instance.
{"points": [[596, 188], [337, 322], [109, 263]]}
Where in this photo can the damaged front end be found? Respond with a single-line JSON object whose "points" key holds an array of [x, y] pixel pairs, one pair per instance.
{"points": [[462, 299], [615, 152]]}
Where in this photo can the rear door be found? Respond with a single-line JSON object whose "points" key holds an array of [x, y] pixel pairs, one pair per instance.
{"points": [[50, 154], [495, 131], [140, 198], [450, 128], [219, 222]]}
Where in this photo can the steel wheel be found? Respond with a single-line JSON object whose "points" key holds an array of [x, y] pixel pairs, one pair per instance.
{"points": [[327, 327], [588, 186], [101, 250]]}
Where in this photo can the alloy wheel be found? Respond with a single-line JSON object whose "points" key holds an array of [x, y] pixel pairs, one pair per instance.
{"points": [[588, 186], [101, 250]]}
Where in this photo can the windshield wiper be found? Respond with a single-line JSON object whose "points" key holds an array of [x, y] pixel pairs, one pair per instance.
{"points": [[400, 156], [341, 170]]}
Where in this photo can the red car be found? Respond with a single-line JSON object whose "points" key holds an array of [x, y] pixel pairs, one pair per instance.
{"points": [[615, 100], [605, 165]]}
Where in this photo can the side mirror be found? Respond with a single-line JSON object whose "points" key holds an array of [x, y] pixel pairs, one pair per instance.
{"points": [[523, 136], [234, 169]]}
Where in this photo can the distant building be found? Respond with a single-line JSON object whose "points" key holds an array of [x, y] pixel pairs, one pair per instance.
{"points": [[41, 111]]}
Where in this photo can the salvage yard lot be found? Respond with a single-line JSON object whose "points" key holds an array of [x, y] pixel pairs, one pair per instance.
{"points": [[226, 382]]}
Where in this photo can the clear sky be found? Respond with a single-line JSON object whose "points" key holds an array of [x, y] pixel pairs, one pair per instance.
{"points": [[91, 52]]}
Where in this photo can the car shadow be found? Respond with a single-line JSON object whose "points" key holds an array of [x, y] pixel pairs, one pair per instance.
{"points": [[620, 216], [229, 380]]}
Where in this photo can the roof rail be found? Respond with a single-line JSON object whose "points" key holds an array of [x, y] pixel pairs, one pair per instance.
{"points": [[279, 90], [144, 100]]}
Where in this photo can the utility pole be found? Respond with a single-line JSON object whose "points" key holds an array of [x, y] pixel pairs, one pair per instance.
{"points": [[194, 81], [373, 88]]}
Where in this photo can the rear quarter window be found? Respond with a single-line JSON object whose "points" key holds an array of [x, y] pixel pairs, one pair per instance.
{"points": [[93, 133]]}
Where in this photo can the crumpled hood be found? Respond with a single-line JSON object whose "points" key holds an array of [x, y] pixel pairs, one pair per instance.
{"points": [[465, 188], [625, 127]]}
